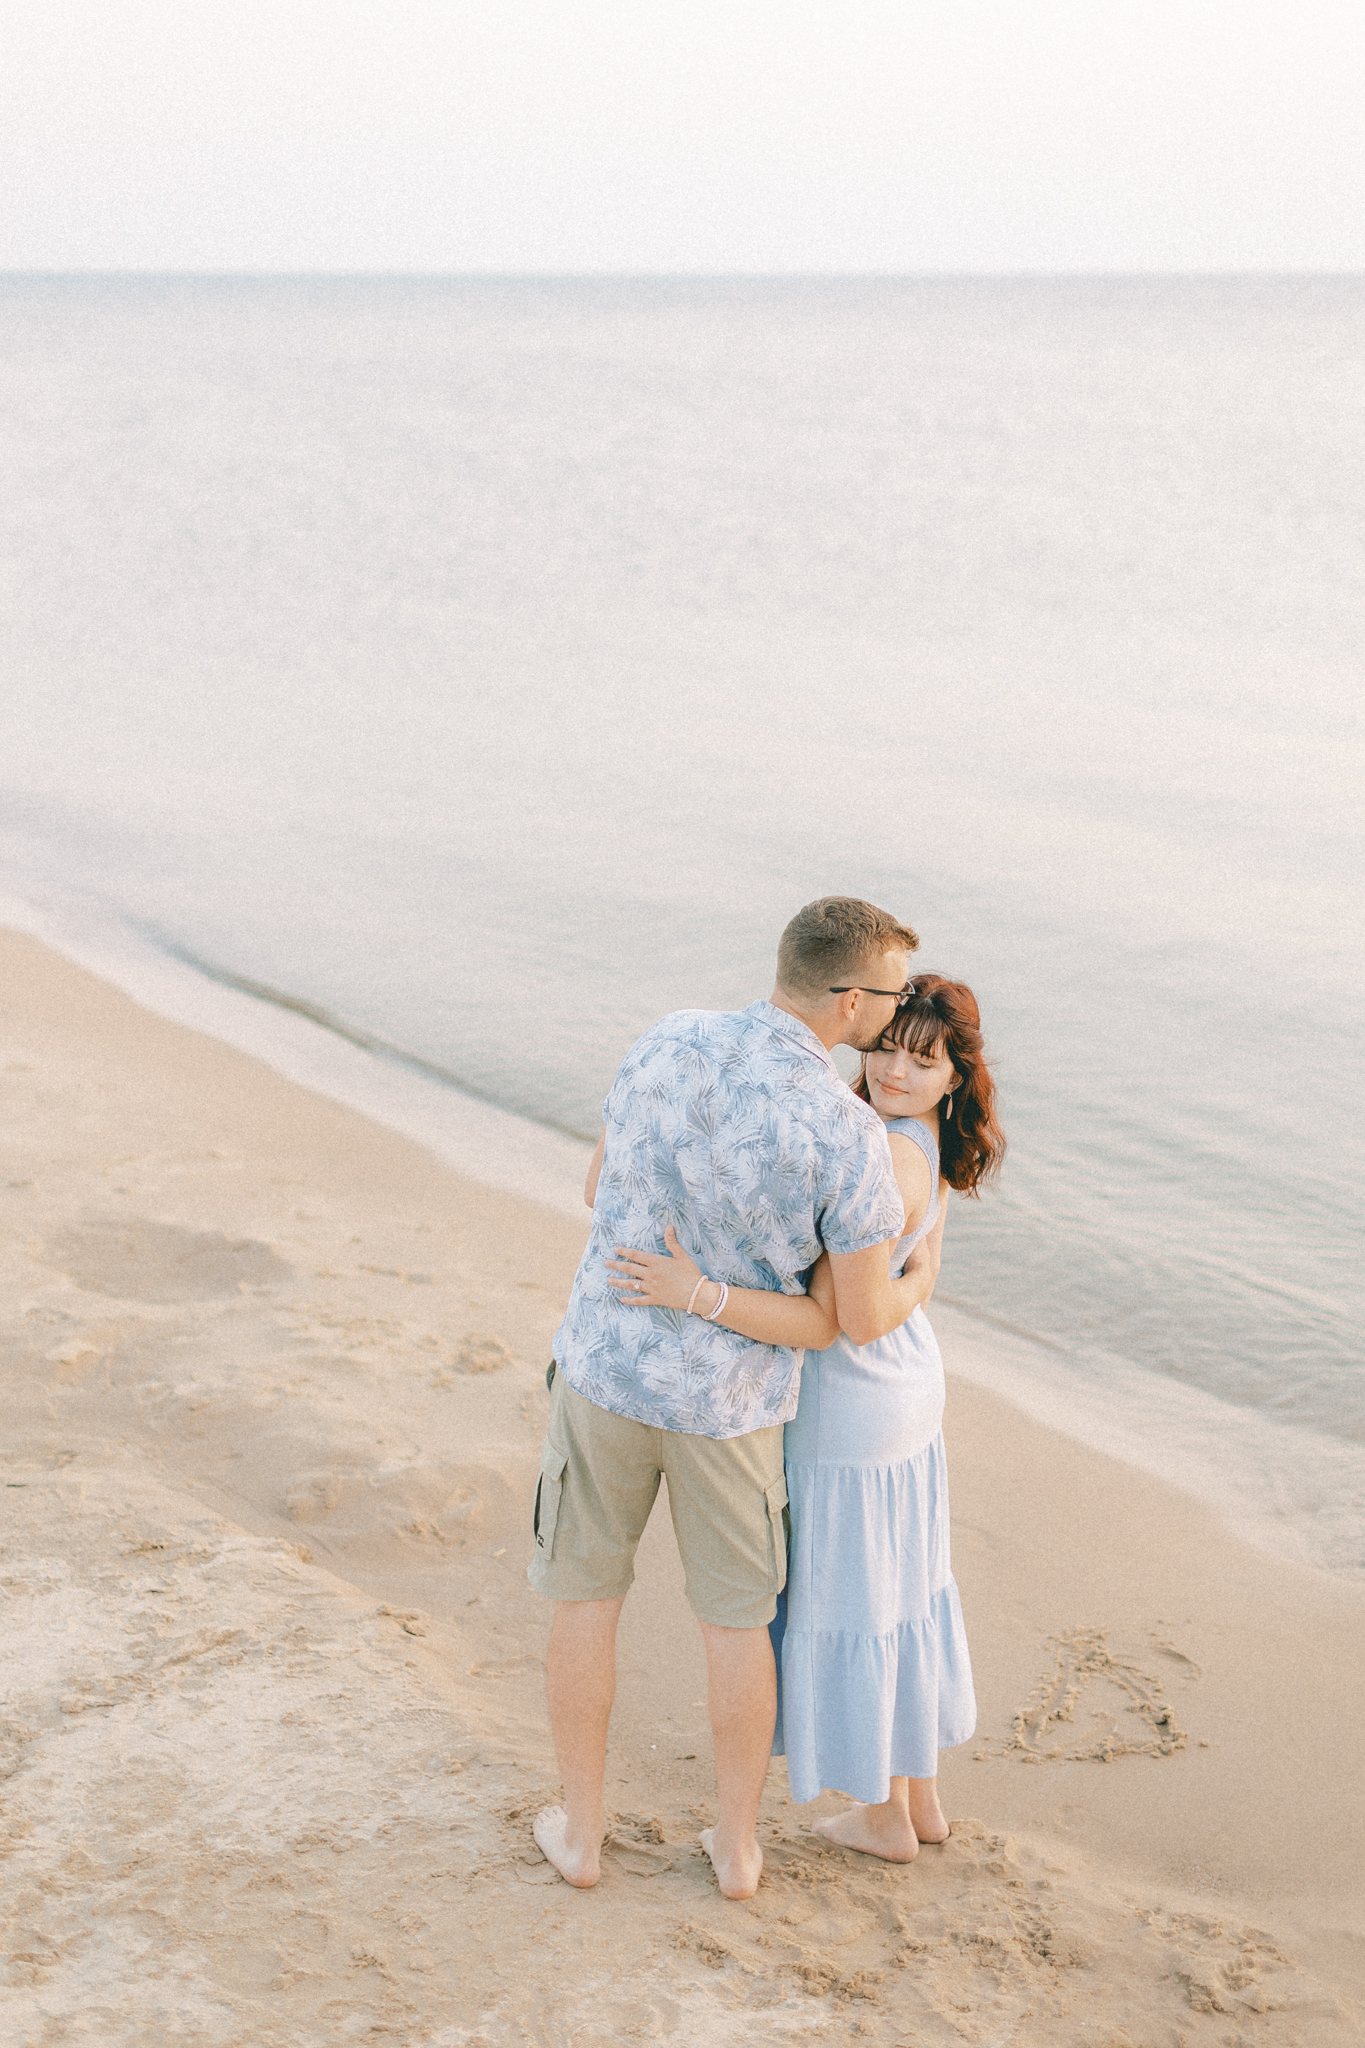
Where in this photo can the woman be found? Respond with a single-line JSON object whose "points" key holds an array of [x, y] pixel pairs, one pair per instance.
{"points": [[875, 1677]]}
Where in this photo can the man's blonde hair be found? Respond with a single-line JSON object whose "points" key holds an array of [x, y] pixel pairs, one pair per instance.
{"points": [[834, 940]]}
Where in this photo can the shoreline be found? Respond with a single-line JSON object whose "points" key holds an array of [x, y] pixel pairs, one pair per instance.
{"points": [[1298, 1494], [275, 1381], [507, 1151]]}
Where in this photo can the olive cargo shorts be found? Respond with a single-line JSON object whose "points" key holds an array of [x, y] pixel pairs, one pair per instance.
{"points": [[599, 1477]]}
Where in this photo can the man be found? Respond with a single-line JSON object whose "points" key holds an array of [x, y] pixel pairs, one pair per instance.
{"points": [[736, 1128]]}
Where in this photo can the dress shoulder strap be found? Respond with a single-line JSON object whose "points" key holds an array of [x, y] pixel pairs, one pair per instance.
{"points": [[911, 1127], [919, 1134]]}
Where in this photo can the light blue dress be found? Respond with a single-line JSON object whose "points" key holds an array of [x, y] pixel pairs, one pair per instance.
{"points": [[874, 1675]]}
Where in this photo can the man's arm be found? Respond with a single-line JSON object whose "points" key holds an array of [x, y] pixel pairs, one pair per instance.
{"points": [[867, 1301], [594, 1171]]}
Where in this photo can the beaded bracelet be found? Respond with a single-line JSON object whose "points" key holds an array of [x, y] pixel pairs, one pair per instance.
{"points": [[692, 1297], [724, 1297]]}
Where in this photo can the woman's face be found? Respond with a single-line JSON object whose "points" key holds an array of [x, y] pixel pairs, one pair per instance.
{"points": [[903, 1083]]}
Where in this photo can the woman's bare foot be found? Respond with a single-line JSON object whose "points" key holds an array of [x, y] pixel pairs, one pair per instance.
{"points": [[577, 1866], [926, 1815], [737, 1875], [883, 1831]]}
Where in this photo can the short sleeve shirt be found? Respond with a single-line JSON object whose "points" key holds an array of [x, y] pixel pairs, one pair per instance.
{"points": [[735, 1127]]}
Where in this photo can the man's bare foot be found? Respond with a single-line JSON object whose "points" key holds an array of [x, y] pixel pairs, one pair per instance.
{"points": [[581, 1867], [736, 1875], [883, 1831], [926, 1815]]}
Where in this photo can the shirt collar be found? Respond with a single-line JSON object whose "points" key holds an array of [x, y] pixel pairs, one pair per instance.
{"points": [[792, 1027]]}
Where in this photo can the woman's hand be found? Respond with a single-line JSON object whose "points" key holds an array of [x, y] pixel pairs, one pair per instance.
{"points": [[651, 1280]]}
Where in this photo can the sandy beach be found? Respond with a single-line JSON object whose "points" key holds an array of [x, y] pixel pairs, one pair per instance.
{"points": [[273, 1726]]}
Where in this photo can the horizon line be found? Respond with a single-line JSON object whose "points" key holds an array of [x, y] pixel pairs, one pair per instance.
{"points": [[1040, 275]]}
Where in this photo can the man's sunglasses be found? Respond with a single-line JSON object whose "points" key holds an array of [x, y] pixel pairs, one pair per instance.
{"points": [[845, 988]]}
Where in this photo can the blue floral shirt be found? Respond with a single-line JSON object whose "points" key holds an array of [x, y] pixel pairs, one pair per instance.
{"points": [[736, 1127]]}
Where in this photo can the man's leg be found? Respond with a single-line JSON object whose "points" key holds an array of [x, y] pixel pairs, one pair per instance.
{"points": [[727, 1497], [581, 1671], [599, 1480], [743, 1696]]}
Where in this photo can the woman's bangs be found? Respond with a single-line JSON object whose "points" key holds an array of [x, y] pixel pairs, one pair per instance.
{"points": [[918, 1027]]}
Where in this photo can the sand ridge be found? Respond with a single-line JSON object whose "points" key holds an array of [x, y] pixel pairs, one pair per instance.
{"points": [[274, 1729]]}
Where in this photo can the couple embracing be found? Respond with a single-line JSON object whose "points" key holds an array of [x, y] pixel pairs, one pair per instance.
{"points": [[751, 1209]]}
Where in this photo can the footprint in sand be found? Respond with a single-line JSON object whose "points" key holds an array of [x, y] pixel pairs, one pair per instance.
{"points": [[636, 1859], [311, 1495], [481, 1354], [635, 1843]]}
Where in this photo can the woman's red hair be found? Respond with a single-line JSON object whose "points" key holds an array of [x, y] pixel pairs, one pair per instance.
{"points": [[943, 1013]]}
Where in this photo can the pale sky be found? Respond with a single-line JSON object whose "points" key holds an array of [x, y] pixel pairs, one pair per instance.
{"points": [[691, 136]]}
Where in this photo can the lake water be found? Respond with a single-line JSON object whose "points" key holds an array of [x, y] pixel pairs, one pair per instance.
{"points": [[496, 665]]}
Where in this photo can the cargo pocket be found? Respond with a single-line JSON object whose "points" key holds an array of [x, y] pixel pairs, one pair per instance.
{"points": [[779, 1528], [549, 1492]]}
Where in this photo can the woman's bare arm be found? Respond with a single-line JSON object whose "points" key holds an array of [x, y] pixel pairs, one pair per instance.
{"points": [[804, 1322], [934, 1238]]}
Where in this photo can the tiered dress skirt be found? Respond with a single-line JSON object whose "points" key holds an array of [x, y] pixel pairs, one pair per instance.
{"points": [[874, 1676]]}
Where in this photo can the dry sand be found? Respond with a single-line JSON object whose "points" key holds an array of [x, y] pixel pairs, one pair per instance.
{"points": [[273, 1728]]}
